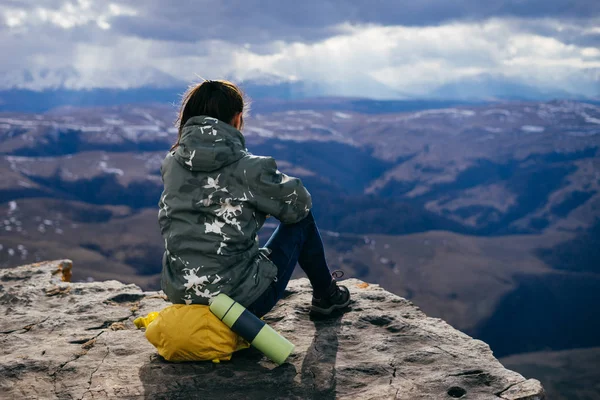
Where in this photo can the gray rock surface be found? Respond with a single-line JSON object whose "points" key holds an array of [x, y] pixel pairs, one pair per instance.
{"points": [[61, 340]]}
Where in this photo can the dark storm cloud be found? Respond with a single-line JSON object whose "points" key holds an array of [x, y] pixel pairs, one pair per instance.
{"points": [[408, 46], [256, 21], [578, 33]]}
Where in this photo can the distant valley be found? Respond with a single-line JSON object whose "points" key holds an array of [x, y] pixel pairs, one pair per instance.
{"points": [[486, 215]]}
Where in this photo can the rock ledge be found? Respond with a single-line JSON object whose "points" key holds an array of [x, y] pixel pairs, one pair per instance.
{"points": [[63, 340]]}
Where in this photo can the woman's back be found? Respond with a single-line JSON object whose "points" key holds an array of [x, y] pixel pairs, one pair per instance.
{"points": [[216, 197]]}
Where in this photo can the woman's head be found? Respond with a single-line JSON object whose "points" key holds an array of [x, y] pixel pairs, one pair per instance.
{"points": [[218, 99]]}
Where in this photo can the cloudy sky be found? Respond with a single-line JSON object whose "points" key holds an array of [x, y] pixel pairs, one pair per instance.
{"points": [[353, 47]]}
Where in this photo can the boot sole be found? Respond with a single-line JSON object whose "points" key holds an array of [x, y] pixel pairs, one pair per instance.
{"points": [[328, 311]]}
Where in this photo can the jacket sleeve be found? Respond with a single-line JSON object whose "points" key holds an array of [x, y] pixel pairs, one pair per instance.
{"points": [[277, 194]]}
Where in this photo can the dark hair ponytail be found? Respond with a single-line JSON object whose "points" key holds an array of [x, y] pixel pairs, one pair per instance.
{"points": [[217, 99]]}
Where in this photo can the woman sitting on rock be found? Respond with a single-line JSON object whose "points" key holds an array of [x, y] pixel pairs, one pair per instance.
{"points": [[216, 197]]}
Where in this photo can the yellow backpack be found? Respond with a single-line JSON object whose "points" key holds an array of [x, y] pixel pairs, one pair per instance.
{"points": [[190, 333]]}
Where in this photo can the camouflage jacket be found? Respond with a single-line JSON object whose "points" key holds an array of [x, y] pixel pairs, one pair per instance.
{"points": [[216, 197]]}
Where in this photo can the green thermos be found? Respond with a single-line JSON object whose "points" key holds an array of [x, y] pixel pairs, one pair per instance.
{"points": [[247, 325]]}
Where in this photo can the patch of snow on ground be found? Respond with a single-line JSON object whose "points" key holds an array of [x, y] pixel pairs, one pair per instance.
{"points": [[305, 112], [326, 129], [12, 206], [146, 115], [92, 128], [342, 115], [271, 123], [113, 121], [67, 174], [506, 113], [104, 167], [454, 112], [132, 132], [532, 128], [152, 162], [590, 120], [18, 122], [553, 111], [262, 132]]}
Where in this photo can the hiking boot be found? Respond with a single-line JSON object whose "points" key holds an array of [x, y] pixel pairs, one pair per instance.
{"points": [[336, 297]]}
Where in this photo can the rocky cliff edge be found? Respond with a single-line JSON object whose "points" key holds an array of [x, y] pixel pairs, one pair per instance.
{"points": [[62, 340]]}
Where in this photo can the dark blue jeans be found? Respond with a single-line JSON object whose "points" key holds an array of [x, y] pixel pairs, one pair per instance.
{"points": [[290, 244]]}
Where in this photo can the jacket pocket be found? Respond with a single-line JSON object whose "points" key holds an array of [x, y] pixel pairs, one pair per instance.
{"points": [[267, 269]]}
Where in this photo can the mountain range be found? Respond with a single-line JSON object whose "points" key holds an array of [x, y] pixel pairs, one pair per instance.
{"points": [[43, 89]]}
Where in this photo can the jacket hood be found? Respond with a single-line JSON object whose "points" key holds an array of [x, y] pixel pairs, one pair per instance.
{"points": [[208, 144]]}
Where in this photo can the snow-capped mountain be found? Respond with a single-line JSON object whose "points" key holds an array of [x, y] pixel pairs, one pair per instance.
{"points": [[494, 87], [40, 79], [268, 85], [69, 78], [262, 85], [44, 89]]}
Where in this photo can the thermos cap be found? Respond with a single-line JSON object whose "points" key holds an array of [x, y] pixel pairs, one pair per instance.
{"points": [[220, 304]]}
